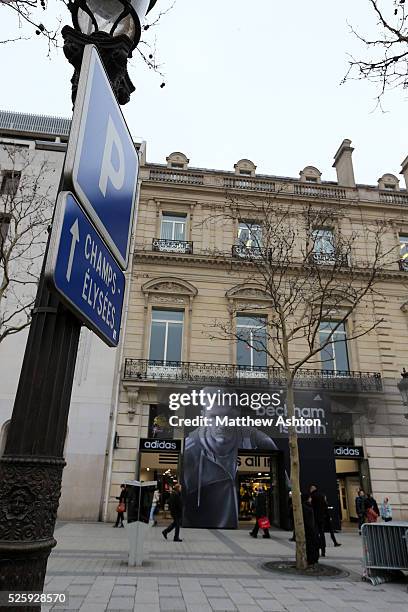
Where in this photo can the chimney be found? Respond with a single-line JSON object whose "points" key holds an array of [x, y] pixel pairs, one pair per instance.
{"points": [[344, 164], [404, 170]]}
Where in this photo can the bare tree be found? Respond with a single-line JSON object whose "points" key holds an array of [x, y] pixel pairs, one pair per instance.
{"points": [[31, 13], [387, 62], [308, 277], [26, 203]]}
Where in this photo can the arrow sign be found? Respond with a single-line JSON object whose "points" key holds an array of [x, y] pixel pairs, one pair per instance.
{"points": [[75, 238], [83, 272]]}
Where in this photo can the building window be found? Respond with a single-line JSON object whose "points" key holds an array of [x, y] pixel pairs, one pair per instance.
{"points": [[311, 179], [403, 240], [10, 182], [166, 336], [177, 165], [390, 186], [334, 355], [251, 341], [4, 226], [173, 227], [323, 245], [245, 172], [249, 235]]}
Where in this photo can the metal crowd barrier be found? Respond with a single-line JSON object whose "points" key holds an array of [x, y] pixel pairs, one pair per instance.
{"points": [[385, 551]]}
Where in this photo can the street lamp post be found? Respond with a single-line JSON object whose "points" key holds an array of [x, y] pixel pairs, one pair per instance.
{"points": [[32, 464]]}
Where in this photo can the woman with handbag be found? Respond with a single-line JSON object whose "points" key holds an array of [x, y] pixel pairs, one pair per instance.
{"points": [[261, 515], [121, 507]]}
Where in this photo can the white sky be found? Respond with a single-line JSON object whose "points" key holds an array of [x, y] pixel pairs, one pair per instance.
{"points": [[256, 79]]}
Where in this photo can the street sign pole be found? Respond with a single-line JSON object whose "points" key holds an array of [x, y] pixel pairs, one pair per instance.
{"points": [[32, 464]]}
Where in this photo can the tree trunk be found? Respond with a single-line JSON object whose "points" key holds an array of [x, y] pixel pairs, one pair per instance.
{"points": [[299, 528]]}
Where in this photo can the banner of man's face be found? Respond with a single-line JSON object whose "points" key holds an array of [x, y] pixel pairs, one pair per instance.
{"points": [[219, 423]]}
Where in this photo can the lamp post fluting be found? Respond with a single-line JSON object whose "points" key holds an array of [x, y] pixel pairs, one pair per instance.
{"points": [[32, 465]]}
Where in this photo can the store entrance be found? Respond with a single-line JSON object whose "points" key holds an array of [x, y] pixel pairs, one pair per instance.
{"points": [[257, 472]]}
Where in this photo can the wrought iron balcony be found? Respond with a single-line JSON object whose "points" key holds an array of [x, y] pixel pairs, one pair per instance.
{"points": [[194, 372], [403, 265], [250, 253], [172, 246], [330, 258]]}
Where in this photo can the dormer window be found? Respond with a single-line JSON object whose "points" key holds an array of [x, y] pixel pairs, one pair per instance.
{"points": [[388, 182], [177, 161], [245, 172], [310, 174], [311, 179], [245, 167]]}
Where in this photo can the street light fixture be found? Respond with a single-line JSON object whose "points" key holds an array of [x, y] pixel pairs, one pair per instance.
{"points": [[32, 464], [403, 388], [115, 27]]}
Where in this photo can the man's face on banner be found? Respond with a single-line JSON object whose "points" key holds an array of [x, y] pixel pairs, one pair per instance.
{"points": [[221, 437]]}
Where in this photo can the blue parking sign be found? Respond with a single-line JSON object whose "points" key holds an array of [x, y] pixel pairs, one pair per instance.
{"points": [[102, 163], [83, 272]]}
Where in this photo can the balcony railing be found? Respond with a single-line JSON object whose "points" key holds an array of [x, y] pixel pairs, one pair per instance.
{"points": [[194, 372], [248, 183], [320, 191], [172, 246], [390, 197], [170, 176], [403, 265], [330, 259], [249, 253]]}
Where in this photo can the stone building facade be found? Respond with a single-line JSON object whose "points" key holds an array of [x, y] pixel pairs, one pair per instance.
{"points": [[189, 270]]}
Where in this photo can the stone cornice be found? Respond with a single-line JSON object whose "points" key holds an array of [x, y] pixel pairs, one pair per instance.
{"points": [[224, 260]]}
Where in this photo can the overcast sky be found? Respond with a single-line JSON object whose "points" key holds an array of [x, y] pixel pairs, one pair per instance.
{"points": [[258, 79]]}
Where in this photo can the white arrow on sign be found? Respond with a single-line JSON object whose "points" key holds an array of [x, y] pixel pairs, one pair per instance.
{"points": [[75, 238]]}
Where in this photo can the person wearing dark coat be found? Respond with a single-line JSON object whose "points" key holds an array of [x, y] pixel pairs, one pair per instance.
{"points": [[319, 506], [370, 502], [329, 524], [361, 508], [176, 511], [311, 534], [261, 511], [122, 502]]}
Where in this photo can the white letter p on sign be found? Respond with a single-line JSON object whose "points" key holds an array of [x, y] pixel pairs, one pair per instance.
{"points": [[108, 172]]}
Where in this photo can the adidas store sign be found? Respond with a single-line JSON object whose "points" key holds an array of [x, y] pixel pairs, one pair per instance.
{"points": [[154, 444], [349, 452]]}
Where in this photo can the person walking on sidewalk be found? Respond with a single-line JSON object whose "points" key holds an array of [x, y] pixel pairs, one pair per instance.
{"points": [[176, 511], [319, 511], [154, 510], [121, 507], [261, 514], [329, 523]]}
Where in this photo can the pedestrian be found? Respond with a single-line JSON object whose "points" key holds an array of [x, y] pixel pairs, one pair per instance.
{"points": [[176, 511], [291, 518], [121, 507], [361, 508], [319, 510], [371, 503], [261, 515], [386, 510], [311, 533], [155, 507], [329, 524]]}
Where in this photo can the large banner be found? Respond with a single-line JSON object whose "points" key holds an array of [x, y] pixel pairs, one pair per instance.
{"points": [[219, 423]]}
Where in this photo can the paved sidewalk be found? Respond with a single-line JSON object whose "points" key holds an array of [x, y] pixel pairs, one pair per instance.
{"points": [[209, 571]]}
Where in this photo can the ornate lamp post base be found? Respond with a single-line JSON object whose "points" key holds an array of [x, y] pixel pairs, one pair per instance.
{"points": [[115, 52]]}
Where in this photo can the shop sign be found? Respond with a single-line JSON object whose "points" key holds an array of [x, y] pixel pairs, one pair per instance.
{"points": [[159, 445], [348, 452]]}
